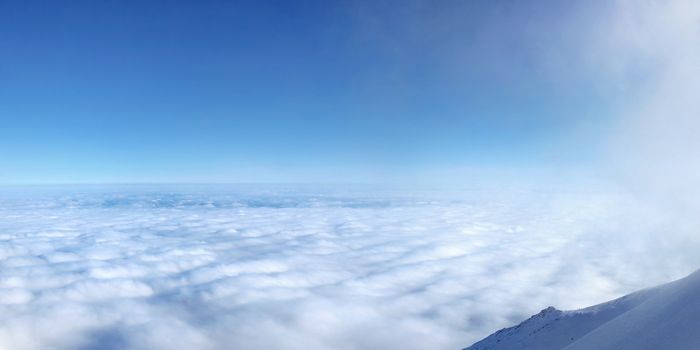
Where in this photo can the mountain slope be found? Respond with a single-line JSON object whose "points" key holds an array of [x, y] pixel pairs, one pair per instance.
{"points": [[664, 317]]}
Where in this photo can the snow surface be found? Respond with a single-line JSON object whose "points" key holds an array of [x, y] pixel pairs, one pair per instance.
{"points": [[306, 268], [665, 317]]}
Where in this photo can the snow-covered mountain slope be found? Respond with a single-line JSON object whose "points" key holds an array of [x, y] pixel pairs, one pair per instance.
{"points": [[664, 317]]}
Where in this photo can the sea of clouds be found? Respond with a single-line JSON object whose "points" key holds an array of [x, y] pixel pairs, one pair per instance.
{"points": [[304, 268]]}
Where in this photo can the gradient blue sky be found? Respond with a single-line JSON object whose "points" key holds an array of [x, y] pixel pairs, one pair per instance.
{"points": [[292, 91]]}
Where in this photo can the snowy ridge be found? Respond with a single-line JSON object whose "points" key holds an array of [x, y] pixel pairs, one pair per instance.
{"points": [[664, 317]]}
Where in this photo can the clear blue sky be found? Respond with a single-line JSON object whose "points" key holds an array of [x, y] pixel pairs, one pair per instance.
{"points": [[288, 91]]}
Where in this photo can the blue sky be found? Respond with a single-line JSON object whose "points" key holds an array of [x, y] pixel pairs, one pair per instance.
{"points": [[279, 91]]}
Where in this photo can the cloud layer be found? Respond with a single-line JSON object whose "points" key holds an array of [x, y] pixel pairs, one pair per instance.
{"points": [[307, 269]]}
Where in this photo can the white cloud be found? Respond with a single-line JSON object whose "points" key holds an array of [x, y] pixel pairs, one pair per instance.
{"points": [[652, 49], [313, 269]]}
